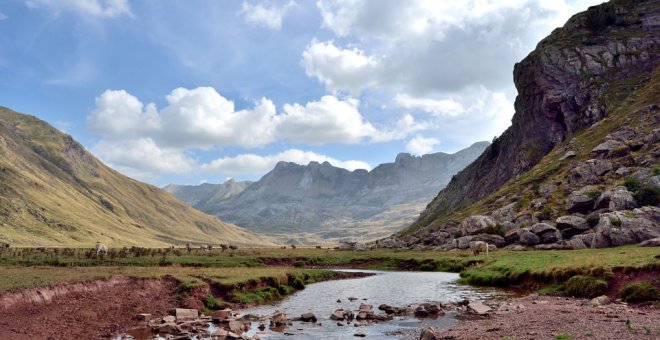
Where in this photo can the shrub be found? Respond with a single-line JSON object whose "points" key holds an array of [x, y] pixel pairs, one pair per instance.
{"points": [[185, 286], [584, 286], [299, 263], [592, 220], [494, 229], [593, 194], [656, 171], [545, 214], [647, 195], [639, 292], [632, 184], [212, 303]]}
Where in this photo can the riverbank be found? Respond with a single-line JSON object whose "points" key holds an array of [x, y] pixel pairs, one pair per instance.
{"points": [[547, 317]]}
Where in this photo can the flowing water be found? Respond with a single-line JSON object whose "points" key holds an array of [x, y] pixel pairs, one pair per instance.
{"points": [[397, 289]]}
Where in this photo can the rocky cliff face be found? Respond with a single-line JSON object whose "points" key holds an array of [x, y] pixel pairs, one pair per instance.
{"points": [[564, 85], [324, 202]]}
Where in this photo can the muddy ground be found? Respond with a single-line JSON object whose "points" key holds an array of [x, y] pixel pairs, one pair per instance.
{"points": [[85, 310]]}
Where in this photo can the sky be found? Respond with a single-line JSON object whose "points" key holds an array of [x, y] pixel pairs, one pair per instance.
{"points": [[200, 91]]}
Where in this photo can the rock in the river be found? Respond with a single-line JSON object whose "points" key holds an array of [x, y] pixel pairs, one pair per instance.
{"points": [[279, 318], [184, 314], [308, 317], [220, 315], [236, 326], [169, 328], [421, 312]]}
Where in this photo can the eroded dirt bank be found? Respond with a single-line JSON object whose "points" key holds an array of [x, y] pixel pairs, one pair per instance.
{"points": [[83, 310], [544, 317]]}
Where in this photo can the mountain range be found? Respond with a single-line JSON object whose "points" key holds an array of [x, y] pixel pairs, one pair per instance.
{"points": [[319, 202]]}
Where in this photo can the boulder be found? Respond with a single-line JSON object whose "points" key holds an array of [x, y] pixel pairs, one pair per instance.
{"points": [[589, 172], [600, 301], [169, 328], [571, 225], [169, 318], [308, 317], [546, 233], [476, 307], [220, 315], [237, 326], [610, 149], [538, 203], [421, 312], [338, 315], [623, 134], [518, 247], [527, 237], [578, 202], [623, 227], [654, 242], [552, 246], [546, 190], [428, 334], [492, 239], [476, 224], [504, 214], [649, 213], [143, 317], [576, 243], [462, 242], [569, 154], [365, 308], [615, 199], [279, 318], [512, 236], [653, 181], [184, 314]]}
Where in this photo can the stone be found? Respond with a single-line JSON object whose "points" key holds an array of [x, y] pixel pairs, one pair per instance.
{"points": [[504, 214], [169, 318], [615, 199], [654, 242], [589, 172], [337, 315], [184, 314], [571, 225], [569, 154], [623, 227], [552, 246], [578, 202], [476, 307], [279, 318], [546, 233], [576, 242], [476, 224], [492, 239], [600, 301], [220, 333], [518, 247], [421, 312], [428, 334], [462, 242], [169, 328], [623, 134], [235, 327], [623, 171], [538, 203], [528, 238], [144, 317], [610, 149], [546, 190], [511, 236], [220, 315], [308, 317], [232, 335], [365, 308]]}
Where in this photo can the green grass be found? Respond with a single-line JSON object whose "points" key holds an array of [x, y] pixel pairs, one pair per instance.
{"points": [[639, 292], [584, 286], [563, 336]]}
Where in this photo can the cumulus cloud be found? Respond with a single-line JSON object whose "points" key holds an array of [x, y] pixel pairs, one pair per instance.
{"points": [[420, 145], [140, 156], [256, 164], [438, 107], [427, 47], [266, 15], [120, 114], [95, 8]]}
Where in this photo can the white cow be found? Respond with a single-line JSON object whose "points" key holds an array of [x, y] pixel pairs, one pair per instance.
{"points": [[204, 247], [479, 247], [100, 247]]}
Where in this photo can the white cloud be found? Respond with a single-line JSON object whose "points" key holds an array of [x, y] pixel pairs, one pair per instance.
{"points": [[255, 164], [325, 121], [95, 8], [119, 114], [142, 157], [269, 16], [340, 69], [447, 107], [420, 145]]}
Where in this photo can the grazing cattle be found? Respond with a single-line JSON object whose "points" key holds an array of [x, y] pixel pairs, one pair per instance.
{"points": [[283, 247], [293, 246], [479, 247], [204, 247], [100, 247], [4, 246], [233, 247], [318, 247], [224, 247], [188, 247]]}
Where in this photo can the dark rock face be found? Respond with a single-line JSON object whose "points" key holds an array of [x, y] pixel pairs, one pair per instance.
{"points": [[559, 85]]}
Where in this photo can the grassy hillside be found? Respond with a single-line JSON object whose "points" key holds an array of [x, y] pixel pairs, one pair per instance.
{"points": [[55, 193]]}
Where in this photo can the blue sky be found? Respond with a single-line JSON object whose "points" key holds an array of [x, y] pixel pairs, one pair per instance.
{"points": [[193, 91]]}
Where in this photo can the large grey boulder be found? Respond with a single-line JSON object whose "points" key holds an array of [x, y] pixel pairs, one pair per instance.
{"points": [[546, 190], [623, 134], [615, 199], [654, 242], [610, 149], [504, 214], [546, 233], [623, 227], [494, 239], [648, 212], [527, 237], [462, 242], [571, 225], [512, 236], [579, 202], [576, 243], [476, 224], [590, 171]]}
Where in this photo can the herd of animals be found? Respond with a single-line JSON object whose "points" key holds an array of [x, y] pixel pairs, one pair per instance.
{"points": [[478, 247]]}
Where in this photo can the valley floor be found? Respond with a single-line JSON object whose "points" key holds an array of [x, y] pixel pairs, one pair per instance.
{"points": [[60, 293]]}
